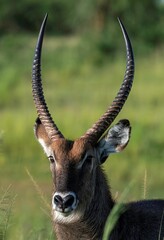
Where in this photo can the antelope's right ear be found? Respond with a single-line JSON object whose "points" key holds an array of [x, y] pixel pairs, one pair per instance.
{"points": [[42, 136]]}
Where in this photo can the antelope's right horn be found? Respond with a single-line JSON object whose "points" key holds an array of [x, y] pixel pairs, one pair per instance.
{"points": [[96, 131]]}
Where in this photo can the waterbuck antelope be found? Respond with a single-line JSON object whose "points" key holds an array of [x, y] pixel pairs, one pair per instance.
{"points": [[82, 201]]}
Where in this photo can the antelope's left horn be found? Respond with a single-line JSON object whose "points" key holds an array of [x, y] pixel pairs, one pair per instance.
{"points": [[37, 90]]}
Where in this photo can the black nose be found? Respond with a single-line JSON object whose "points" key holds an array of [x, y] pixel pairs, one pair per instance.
{"points": [[65, 202]]}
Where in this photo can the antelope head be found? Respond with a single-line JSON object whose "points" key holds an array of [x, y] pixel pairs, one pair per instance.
{"points": [[75, 164]]}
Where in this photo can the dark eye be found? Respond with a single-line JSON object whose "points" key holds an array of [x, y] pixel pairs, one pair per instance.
{"points": [[51, 159], [88, 159]]}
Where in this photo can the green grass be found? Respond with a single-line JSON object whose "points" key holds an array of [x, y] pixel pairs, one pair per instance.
{"points": [[76, 80], [5, 211]]}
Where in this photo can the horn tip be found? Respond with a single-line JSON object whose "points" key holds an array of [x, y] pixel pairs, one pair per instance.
{"points": [[46, 16], [121, 25]]}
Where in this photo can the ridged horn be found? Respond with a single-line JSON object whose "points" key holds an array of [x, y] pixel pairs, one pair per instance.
{"points": [[96, 131], [37, 90]]}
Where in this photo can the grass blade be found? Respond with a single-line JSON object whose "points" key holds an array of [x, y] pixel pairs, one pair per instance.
{"points": [[115, 213], [39, 191], [6, 203]]}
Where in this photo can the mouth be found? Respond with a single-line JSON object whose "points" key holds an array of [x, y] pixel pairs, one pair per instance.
{"points": [[68, 215], [66, 211]]}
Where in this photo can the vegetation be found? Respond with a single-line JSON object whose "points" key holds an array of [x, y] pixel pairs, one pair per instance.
{"points": [[144, 19], [5, 211], [74, 82]]}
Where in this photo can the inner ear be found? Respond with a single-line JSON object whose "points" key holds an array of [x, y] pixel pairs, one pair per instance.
{"points": [[118, 136], [41, 134], [115, 140]]}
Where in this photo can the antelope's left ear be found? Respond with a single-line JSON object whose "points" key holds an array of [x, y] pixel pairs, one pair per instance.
{"points": [[115, 140]]}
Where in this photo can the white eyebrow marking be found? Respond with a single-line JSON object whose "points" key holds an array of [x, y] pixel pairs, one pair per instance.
{"points": [[46, 149]]}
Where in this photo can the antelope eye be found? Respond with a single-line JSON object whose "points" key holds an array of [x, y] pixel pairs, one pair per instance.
{"points": [[51, 159], [88, 159]]}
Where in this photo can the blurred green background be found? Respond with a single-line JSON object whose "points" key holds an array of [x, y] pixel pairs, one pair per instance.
{"points": [[83, 66]]}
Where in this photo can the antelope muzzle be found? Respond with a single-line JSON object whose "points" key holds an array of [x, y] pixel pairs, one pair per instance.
{"points": [[64, 202]]}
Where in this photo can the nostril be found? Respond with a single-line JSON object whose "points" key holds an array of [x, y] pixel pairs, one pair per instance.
{"points": [[69, 201], [58, 200]]}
